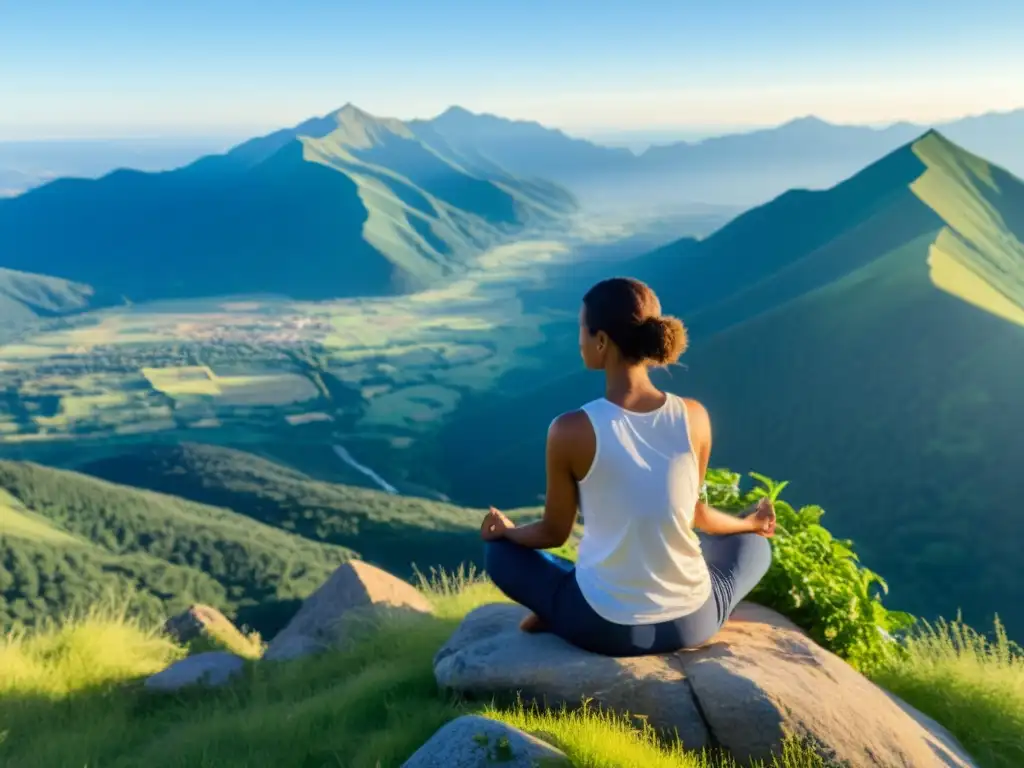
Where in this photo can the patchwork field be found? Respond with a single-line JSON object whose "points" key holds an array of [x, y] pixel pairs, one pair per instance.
{"points": [[256, 369]]}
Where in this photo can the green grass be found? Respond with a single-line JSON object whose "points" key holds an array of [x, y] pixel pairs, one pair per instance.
{"points": [[972, 684], [69, 695]]}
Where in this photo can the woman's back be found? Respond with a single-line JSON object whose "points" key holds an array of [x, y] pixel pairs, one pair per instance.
{"points": [[640, 560], [642, 583]]}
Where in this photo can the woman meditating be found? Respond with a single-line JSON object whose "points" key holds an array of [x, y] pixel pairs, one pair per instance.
{"points": [[633, 462]]}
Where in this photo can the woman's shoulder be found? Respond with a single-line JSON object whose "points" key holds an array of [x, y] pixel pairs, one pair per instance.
{"points": [[698, 422], [570, 425], [695, 410], [572, 443]]}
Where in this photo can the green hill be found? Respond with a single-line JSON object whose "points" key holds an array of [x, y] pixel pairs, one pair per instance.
{"points": [[185, 523], [867, 342], [70, 541], [25, 296], [388, 530], [355, 205]]}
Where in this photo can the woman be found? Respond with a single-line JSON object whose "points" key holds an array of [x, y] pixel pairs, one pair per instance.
{"points": [[633, 462]]}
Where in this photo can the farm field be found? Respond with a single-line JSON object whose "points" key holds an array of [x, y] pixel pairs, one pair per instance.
{"points": [[252, 370]]}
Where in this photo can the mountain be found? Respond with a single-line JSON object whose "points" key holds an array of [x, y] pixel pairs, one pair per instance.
{"points": [[13, 182], [864, 342], [742, 168], [524, 147], [355, 205], [810, 152]]}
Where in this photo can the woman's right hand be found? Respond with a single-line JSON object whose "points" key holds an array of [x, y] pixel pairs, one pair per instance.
{"points": [[494, 526]]}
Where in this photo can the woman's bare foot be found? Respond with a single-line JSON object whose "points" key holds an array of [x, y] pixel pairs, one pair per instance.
{"points": [[532, 624]]}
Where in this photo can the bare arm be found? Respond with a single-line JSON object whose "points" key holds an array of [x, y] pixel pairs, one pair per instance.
{"points": [[706, 517], [561, 500]]}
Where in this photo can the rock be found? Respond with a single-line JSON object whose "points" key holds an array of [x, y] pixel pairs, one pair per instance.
{"points": [[203, 627], [210, 669], [489, 656], [356, 591], [193, 623], [762, 678], [479, 742]]}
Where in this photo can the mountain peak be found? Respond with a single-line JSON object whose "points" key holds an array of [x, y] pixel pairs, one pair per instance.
{"points": [[812, 122], [359, 129], [455, 112], [351, 112]]}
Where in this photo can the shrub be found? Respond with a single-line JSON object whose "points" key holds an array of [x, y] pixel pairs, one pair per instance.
{"points": [[816, 580]]}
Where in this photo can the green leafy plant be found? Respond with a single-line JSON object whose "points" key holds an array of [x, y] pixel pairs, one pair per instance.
{"points": [[816, 580]]}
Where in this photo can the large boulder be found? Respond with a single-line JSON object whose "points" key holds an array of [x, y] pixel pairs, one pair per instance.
{"points": [[479, 742], [489, 656], [763, 679], [207, 669], [356, 593], [758, 682]]}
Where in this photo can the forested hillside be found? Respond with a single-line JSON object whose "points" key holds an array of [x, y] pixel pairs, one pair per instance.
{"points": [[251, 539]]}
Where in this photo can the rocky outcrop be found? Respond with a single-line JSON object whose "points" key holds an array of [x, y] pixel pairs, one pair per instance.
{"points": [[203, 627], [209, 669], [759, 681], [193, 623], [479, 742], [355, 595]]}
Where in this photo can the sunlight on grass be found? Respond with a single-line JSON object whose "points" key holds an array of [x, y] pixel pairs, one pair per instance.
{"points": [[453, 595], [94, 651], [595, 739], [972, 684]]}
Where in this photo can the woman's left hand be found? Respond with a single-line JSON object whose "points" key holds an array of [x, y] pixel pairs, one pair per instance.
{"points": [[762, 519], [494, 526]]}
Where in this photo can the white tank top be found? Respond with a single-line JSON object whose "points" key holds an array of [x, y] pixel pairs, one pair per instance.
{"points": [[639, 560]]}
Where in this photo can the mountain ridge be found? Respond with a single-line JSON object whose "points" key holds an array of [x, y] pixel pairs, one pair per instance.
{"points": [[360, 204], [990, 133], [746, 168]]}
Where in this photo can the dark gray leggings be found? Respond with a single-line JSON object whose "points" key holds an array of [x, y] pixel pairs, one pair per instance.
{"points": [[546, 585]]}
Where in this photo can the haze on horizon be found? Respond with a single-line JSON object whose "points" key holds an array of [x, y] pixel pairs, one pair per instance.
{"points": [[114, 68]]}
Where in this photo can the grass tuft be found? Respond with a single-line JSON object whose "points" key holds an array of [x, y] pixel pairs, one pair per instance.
{"points": [[971, 683], [593, 738]]}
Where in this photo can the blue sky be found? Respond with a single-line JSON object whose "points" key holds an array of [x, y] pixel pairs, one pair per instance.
{"points": [[92, 68]]}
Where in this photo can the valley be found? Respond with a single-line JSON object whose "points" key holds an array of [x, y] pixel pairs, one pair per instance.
{"points": [[252, 369]]}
